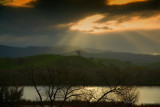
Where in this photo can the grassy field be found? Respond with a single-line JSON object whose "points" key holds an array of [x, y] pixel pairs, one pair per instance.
{"points": [[89, 70], [50, 59], [44, 59]]}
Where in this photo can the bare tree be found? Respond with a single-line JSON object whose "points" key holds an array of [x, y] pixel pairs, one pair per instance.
{"points": [[117, 79], [10, 95], [69, 92], [57, 88], [127, 94], [105, 94], [78, 52], [53, 86], [94, 96], [88, 95], [30, 74], [52, 93]]}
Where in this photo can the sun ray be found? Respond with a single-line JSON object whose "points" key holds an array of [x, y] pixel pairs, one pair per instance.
{"points": [[149, 36], [144, 45], [153, 38]]}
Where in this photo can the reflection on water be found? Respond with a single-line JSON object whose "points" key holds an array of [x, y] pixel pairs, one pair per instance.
{"points": [[147, 95]]}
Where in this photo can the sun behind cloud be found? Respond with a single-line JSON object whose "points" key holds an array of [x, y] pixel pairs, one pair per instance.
{"points": [[123, 2], [17, 3], [92, 24], [89, 24]]}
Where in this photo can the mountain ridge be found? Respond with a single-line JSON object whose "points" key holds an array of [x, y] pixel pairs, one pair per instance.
{"points": [[15, 52]]}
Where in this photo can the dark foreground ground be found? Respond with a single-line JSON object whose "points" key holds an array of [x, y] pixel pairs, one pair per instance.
{"points": [[76, 104]]}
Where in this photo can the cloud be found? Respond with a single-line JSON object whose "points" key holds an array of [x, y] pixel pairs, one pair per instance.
{"points": [[123, 2], [47, 14], [17, 3], [91, 25], [69, 20]]}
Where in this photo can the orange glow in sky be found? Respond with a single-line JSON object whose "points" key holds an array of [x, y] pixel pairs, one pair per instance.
{"points": [[91, 24], [18, 3], [122, 2], [88, 24]]}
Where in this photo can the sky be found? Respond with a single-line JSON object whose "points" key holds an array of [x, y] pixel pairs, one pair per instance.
{"points": [[117, 25]]}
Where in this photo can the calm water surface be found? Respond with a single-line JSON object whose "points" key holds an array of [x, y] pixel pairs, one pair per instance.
{"points": [[147, 95]]}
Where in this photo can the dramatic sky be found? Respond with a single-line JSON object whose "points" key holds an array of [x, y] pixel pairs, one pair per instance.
{"points": [[118, 25]]}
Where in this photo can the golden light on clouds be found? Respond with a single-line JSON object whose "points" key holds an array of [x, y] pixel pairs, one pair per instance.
{"points": [[92, 24], [122, 2], [17, 3], [142, 23], [89, 24]]}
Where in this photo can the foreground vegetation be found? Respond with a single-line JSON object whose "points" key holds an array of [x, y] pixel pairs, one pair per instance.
{"points": [[125, 97], [79, 104]]}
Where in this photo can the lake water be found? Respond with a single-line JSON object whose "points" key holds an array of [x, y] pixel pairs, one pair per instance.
{"points": [[147, 95]]}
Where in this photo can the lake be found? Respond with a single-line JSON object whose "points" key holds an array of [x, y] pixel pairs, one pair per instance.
{"points": [[147, 95]]}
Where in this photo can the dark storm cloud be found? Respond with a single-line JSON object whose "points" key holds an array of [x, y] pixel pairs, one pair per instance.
{"points": [[48, 13], [77, 8]]}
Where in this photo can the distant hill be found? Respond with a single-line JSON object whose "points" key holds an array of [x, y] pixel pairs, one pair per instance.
{"points": [[128, 57], [15, 52], [46, 60]]}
